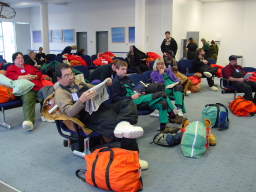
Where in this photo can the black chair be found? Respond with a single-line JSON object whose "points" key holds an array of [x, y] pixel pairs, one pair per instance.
{"points": [[185, 66], [6, 106], [51, 58], [83, 69], [77, 140]]}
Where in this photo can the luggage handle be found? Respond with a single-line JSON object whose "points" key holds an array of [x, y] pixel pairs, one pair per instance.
{"points": [[107, 169], [78, 174]]}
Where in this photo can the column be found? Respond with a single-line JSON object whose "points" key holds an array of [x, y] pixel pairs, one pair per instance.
{"points": [[140, 24], [44, 26]]}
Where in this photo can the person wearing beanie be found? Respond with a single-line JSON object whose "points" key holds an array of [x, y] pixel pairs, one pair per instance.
{"points": [[200, 64]]}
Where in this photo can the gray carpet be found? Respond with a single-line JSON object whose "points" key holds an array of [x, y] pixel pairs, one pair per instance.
{"points": [[38, 162]]}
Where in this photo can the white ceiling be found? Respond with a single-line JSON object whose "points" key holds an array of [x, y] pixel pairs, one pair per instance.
{"points": [[31, 3]]}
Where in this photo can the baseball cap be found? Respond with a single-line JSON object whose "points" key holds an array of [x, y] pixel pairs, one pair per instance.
{"points": [[232, 57]]}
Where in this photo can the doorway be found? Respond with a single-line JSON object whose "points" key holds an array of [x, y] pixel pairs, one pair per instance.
{"points": [[101, 41], [194, 35], [82, 41]]}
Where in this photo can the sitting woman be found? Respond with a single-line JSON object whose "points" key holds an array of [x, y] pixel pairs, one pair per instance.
{"points": [[24, 71], [173, 89], [201, 65]]}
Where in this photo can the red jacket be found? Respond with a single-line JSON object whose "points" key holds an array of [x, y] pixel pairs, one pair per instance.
{"points": [[13, 72]]}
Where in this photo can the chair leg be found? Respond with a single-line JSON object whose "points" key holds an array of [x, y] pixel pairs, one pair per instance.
{"points": [[3, 123], [86, 149]]}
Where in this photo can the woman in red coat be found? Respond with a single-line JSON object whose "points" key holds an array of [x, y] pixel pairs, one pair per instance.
{"points": [[23, 71]]}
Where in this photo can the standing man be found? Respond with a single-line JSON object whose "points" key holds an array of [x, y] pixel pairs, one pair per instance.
{"points": [[235, 74], [191, 49], [206, 47], [169, 44]]}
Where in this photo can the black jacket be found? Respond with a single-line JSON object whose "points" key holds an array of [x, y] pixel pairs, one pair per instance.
{"points": [[172, 46], [102, 72], [118, 90]]}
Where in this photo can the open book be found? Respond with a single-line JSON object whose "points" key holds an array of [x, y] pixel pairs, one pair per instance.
{"points": [[101, 96]]}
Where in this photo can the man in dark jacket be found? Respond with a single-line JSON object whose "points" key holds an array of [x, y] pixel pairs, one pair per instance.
{"points": [[236, 75], [169, 44]]}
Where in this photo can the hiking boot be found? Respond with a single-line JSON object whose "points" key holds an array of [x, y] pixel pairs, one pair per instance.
{"points": [[177, 119], [212, 139], [126, 130], [207, 74], [143, 164], [170, 129], [28, 126]]}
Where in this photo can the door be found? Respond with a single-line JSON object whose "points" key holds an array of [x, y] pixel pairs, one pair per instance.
{"points": [[101, 41], [194, 35], [23, 39], [82, 41]]}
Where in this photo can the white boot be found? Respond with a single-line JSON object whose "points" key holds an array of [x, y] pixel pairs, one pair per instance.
{"points": [[126, 130], [207, 74], [188, 92], [143, 164], [28, 125], [214, 88]]}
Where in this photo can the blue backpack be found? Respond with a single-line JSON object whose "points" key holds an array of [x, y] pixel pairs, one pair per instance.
{"points": [[217, 114]]}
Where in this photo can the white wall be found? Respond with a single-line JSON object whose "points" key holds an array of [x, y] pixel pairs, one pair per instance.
{"points": [[89, 16], [158, 20], [233, 23], [22, 15], [187, 16]]}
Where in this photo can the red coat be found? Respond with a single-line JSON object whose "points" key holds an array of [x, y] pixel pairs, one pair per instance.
{"points": [[13, 72]]}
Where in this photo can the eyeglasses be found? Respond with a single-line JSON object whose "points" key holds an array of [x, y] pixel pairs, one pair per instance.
{"points": [[66, 76]]}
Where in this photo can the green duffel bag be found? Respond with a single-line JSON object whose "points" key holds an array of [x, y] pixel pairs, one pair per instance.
{"points": [[193, 143]]}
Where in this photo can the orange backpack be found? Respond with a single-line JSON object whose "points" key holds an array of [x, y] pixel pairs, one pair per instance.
{"points": [[6, 94], [113, 169], [242, 107]]}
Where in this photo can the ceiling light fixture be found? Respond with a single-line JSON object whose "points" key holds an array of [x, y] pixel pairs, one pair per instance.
{"points": [[6, 11]]}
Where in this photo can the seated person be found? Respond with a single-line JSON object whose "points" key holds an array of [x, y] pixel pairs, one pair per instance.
{"points": [[30, 59], [40, 56], [110, 121], [20, 70], [235, 74], [137, 60], [169, 59], [103, 72], [123, 88], [173, 89], [201, 65]]}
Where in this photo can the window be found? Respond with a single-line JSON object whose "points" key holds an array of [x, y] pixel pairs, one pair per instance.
{"points": [[131, 34], [9, 44], [118, 34]]}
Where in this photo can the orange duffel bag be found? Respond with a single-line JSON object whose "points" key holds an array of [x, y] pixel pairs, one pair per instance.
{"points": [[242, 107], [6, 94], [113, 169]]}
